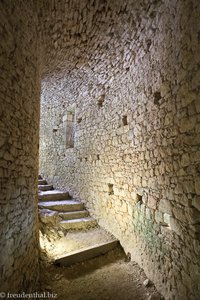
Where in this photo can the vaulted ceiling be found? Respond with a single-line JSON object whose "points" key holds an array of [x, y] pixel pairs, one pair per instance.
{"points": [[87, 43]]}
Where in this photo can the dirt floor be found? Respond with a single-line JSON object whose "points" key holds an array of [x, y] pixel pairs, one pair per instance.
{"points": [[108, 277]]}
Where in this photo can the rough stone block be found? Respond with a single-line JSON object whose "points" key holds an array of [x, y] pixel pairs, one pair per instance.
{"points": [[152, 202], [165, 206]]}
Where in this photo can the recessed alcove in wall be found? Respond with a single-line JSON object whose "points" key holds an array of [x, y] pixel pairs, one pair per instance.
{"points": [[110, 189], [79, 120], [157, 97], [138, 199], [148, 44], [101, 100], [124, 120], [69, 127]]}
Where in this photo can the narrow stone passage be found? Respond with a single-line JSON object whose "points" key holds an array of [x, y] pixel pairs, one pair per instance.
{"points": [[102, 98]]}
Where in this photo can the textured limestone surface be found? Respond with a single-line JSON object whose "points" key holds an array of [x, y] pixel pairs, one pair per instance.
{"points": [[129, 70], [19, 121], [120, 128]]}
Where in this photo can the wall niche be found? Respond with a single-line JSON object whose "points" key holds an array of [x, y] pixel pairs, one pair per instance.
{"points": [[69, 127]]}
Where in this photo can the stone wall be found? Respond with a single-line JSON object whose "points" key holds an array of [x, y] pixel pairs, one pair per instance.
{"points": [[135, 161], [19, 122]]}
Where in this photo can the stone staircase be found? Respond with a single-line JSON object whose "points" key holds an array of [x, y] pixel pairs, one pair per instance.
{"points": [[59, 212], [70, 212]]}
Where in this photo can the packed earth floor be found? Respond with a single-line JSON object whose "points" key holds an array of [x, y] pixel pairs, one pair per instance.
{"points": [[111, 276]]}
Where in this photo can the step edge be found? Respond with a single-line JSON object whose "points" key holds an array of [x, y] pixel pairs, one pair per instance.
{"points": [[44, 193], [77, 220], [43, 203], [45, 185], [54, 200], [78, 211], [115, 242]]}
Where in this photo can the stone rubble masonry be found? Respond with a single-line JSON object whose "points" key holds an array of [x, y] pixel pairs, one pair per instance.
{"points": [[132, 69], [19, 134]]}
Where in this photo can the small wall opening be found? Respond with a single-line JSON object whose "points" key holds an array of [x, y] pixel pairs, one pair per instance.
{"points": [[101, 100], [139, 199], [148, 44], [69, 125], [157, 97], [124, 120], [110, 189]]}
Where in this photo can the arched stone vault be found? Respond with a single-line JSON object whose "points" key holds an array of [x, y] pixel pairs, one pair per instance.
{"points": [[98, 34], [88, 45]]}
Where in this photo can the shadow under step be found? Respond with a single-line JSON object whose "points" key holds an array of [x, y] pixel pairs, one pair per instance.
{"points": [[53, 195], [85, 254], [46, 187], [79, 224], [62, 205], [41, 182], [74, 215]]}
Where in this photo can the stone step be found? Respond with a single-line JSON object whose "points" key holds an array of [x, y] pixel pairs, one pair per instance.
{"points": [[41, 182], [87, 253], [53, 195], [74, 215], [46, 187], [49, 217], [62, 205], [79, 224]]}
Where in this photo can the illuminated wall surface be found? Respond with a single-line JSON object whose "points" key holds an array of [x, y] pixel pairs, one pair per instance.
{"points": [[127, 73]]}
